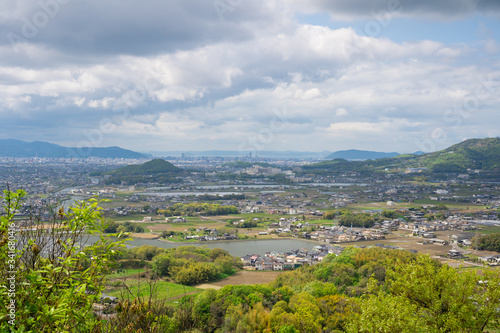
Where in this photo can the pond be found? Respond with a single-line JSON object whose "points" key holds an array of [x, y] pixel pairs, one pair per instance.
{"points": [[236, 248]]}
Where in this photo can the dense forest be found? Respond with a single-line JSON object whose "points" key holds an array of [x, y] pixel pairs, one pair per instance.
{"points": [[348, 218], [487, 242]]}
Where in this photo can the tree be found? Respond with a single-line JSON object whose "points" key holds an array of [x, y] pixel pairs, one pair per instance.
{"points": [[52, 279], [112, 227], [425, 296], [307, 315], [162, 264], [389, 213], [489, 242]]}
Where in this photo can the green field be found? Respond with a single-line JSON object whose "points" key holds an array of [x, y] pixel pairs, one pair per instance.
{"points": [[487, 230], [125, 273], [159, 290]]}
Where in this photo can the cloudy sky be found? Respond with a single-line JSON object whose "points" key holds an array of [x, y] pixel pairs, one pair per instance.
{"points": [[164, 75]]}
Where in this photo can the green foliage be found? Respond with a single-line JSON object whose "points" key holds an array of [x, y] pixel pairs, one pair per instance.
{"points": [[56, 280], [441, 206], [142, 316], [153, 167], [348, 218], [390, 214], [362, 220], [112, 227], [162, 265], [387, 314], [395, 291], [144, 252], [349, 272], [156, 170], [197, 208], [129, 227], [481, 154], [212, 197], [489, 242], [424, 296], [195, 272], [192, 265], [248, 223]]}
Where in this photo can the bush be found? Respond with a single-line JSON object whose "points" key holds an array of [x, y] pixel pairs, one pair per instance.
{"points": [[54, 292]]}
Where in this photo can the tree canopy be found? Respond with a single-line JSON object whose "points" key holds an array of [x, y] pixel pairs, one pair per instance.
{"points": [[49, 280]]}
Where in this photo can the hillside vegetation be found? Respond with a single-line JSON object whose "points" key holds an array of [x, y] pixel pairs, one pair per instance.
{"points": [[156, 170], [475, 154], [362, 290], [153, 167]]}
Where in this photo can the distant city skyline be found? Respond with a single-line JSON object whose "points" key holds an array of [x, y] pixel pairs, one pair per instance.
{"points": [[383, 75]]}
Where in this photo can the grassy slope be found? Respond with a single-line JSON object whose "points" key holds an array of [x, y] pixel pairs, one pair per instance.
{"points": [[481, 154]]}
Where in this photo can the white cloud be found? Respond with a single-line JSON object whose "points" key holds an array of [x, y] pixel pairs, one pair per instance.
{"points": [[341, 112], [207, 83]]}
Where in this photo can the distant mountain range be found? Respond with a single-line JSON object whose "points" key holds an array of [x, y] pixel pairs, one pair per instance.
{"points": [[473, 154], [18, 148], [354, 154]]}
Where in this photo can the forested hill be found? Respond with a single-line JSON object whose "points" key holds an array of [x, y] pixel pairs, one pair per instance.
{"points": [[18, 148], [476, 154], [153, 167], [156, 170]]}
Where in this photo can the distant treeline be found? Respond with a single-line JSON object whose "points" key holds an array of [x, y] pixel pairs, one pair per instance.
{"points": [[196, 208], [487, 243], [348, 218], [214, 197], [160, 179], [114, 227]]}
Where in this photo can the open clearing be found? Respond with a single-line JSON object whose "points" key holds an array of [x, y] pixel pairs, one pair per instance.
{"points": [[243, 277]]}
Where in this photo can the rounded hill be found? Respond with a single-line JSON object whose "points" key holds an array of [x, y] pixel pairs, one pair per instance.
{"points": [[151, 168]]}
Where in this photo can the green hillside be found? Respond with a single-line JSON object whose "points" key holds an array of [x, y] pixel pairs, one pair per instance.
{"points": [[153, 167], [480, 154], [158, 170]]}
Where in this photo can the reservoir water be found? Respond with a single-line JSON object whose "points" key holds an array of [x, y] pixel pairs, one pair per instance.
{"points": [[236, 248]]}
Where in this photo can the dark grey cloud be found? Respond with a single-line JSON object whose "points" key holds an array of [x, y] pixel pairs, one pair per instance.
{"points": [[145, 27], [437, 9]]}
